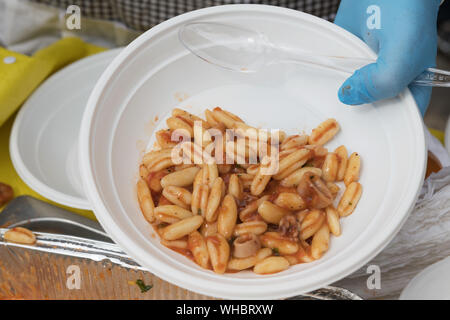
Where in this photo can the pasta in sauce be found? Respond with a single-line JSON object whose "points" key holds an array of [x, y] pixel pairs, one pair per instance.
{"points": [[233, 211]]}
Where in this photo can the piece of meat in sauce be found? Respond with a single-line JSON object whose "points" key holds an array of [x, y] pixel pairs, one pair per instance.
{"points": [[289, 227], [314, 191]]}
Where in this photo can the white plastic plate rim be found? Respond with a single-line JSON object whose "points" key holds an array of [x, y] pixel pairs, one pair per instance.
{"points": [[426, 284], [226, 289], [19, 165]]}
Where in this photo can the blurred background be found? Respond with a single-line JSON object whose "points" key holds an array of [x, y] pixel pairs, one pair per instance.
{"points": [[439, 110]]}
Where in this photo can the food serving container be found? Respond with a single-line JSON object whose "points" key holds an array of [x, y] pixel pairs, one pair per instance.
{"points": [[155, 73]]}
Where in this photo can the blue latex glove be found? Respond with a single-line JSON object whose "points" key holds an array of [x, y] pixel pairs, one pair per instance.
{"points": [[406, 43]]}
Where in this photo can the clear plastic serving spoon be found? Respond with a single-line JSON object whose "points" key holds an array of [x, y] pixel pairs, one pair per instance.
{"points": [[239, 49]]}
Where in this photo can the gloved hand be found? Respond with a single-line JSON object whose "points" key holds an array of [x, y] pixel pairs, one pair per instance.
{"points": [[406, 43]]}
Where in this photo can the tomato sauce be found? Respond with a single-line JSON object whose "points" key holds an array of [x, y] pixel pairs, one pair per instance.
{"points": [[433, 164]]}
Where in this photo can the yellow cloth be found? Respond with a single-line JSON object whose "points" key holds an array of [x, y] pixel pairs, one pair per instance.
{"points": [[17, 81], [20, 77]]}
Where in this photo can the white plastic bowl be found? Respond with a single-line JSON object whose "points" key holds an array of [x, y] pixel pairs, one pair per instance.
{"points": [[143, 84]]}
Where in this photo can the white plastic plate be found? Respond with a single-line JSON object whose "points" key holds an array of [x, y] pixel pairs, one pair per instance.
{"points": [[44, 138], [447, 136], [154, 73], [433, 283]]}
